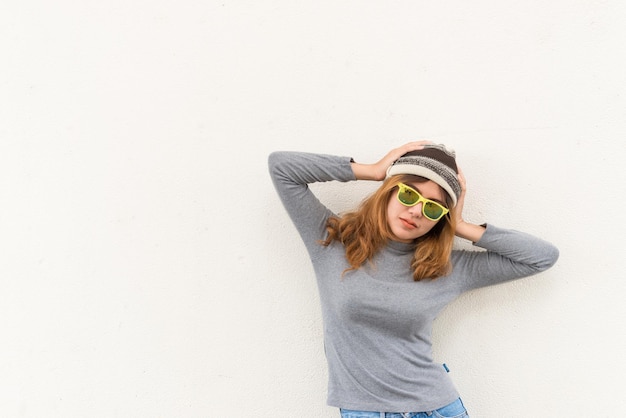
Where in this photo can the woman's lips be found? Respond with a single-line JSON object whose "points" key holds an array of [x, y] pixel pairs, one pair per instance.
{"points": [[408, 223]]}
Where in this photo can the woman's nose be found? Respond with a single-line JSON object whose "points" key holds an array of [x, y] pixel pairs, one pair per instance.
{"points": [[416, 211]]}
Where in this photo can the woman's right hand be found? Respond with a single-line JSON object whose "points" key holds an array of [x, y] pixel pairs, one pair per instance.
{"points": [[378, 170]]}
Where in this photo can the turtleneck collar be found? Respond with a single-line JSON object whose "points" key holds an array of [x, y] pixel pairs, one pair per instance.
{"points": [[401, 247]]}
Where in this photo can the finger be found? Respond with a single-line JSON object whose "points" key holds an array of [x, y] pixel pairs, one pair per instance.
{"points": [[416, 145], [462, 180], [421, 142]]}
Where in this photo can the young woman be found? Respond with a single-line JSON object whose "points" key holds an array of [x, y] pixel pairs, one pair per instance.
{"points": [[385, 270]]}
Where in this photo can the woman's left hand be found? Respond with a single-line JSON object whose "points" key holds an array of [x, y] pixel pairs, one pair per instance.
{"points": [[461, 200], [465, 230]]}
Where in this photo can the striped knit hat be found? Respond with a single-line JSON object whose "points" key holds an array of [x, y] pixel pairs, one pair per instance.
{"points": [[435, 162]]}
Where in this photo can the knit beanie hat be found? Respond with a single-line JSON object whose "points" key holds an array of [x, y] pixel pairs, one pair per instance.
{"points": [[435, 162]]}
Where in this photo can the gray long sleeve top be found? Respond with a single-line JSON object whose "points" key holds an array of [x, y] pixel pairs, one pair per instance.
{"points": [[377, 319]]}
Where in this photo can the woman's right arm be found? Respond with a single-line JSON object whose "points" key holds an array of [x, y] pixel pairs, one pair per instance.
{"points": [[291, 173]]}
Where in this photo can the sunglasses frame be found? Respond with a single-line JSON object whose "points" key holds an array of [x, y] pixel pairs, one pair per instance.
{"points": [[403, 187]]}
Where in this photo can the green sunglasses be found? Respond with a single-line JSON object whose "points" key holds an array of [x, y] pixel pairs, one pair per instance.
{"points": [[408, 196]]}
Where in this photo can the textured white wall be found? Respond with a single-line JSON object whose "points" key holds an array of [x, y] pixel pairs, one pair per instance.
{"points": [[148, 269]]}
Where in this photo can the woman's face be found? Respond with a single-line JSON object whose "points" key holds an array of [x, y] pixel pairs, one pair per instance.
{"points": [[408, 222]]}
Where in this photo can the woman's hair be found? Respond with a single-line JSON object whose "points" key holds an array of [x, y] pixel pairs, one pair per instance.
{"points": [[366, 230]]}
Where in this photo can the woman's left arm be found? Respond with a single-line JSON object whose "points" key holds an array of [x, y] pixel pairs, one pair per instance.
{"points": [[510, 254]]}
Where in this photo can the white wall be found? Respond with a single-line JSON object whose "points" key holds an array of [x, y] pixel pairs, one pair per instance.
{"points": [[148, 269]]}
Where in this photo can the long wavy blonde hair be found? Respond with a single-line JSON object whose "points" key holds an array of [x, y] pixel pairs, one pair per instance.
{"points": [[364, 231]]}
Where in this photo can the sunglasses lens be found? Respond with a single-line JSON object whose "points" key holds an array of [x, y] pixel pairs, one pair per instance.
{"points": [[407, 196], [433, 210]]}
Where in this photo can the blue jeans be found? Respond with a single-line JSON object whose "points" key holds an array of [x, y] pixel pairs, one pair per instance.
{"points": [[453, 410]]}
